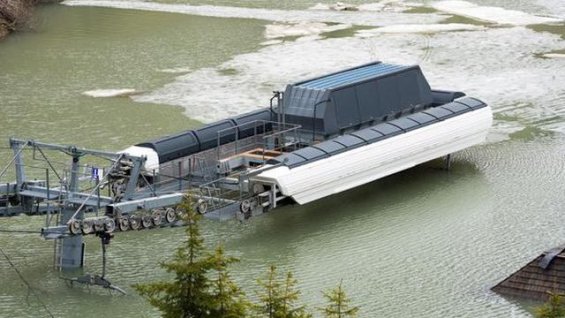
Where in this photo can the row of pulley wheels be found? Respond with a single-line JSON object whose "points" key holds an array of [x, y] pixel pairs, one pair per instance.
{"points": [[155, 218]]}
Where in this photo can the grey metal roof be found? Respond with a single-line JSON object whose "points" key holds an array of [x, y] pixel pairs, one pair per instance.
{"points": [[456, 108], [349, 140], [378, 132], [329, 146], [423, 118], [438, 112], [352, 76], [368, 134], [310, 153], [404, 123], [471, 102], [387, 129]]}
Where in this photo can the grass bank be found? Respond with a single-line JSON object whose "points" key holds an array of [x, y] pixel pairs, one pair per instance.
{"points": [[15, 14]]}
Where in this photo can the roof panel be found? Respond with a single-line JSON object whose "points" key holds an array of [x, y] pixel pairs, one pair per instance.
{"points": [[471, 102], [330, 147], [291, 159], [352, 76], [456, 108], [349, 140], [309, 153], [438, 112], [369, 135], [404, 123], [423, 118], [387, 129]]}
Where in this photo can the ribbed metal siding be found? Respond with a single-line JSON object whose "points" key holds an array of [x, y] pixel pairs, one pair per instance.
{"points": [[352, 76]]}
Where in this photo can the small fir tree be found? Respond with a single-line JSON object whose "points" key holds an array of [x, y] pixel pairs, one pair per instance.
{"points": [[338, 304], [278, 298], [192, 294], [553, 308], [230, 301]]}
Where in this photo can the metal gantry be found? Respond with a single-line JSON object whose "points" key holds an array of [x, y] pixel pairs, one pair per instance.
{"points": [[117, 193]]}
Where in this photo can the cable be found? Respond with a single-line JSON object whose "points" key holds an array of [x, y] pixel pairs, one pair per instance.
{"points": [[26, 283], [20, 231]]}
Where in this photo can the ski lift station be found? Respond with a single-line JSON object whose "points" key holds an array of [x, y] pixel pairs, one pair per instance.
{"points": [[319, 137]]}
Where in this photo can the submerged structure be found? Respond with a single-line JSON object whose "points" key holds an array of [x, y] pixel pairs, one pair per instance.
{"points": [[317, 138], [537, 279]]}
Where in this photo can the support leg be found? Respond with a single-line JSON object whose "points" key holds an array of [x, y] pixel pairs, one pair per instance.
{"points": [[71, 253], [448, 162]]}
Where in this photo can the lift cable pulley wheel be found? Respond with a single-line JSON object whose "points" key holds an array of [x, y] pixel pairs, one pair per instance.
{"points": [[156, 217], [170, 215]]}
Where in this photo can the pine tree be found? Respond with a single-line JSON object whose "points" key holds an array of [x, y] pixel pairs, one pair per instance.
{"points": [[187, 296], [338, 304], [278, 298], [553, 308], [230, 301]]}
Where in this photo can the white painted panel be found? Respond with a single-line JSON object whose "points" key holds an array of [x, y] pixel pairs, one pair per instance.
{"points": [[152, 162], [358, 166]]}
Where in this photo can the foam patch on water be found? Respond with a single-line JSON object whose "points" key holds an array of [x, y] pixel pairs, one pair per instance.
{"points": [[271, 42], [111, 92], [491, 14], [496, 65], [556, 7], [419, 28], [344, 17], [176, 70], [273, 31], [383, 6]]}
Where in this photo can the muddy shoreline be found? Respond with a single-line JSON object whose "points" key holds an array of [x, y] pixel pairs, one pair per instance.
{"points": [[15, 14]]}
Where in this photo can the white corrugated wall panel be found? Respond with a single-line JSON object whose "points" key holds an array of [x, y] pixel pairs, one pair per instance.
{"points": [[368, 163]]}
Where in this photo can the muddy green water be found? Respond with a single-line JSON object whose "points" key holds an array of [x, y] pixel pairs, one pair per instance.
{"points": [[422, 243]]}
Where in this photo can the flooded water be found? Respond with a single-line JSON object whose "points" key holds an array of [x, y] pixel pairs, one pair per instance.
{"points": [[422, 243]]}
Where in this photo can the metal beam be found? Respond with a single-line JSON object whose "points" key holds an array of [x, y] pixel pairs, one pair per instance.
{"points": [[66, 148]]}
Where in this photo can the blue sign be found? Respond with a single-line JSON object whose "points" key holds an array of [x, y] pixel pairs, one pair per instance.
{"points": [[94, 174]]}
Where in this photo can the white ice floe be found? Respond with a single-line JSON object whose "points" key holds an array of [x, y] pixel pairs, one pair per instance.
{"points": [[556, 7], [554, 55], [280, 30], [491, 14], [111, 92], [344, 17], [419, 28], [385, 5], [176, 70], [497, 65], [271, 42]]}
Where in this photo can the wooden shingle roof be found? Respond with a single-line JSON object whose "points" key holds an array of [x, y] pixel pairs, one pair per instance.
{"points": [[546, 273]]}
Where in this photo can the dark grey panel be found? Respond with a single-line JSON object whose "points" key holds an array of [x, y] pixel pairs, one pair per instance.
{"points": [[310, 153], [254, 122], [368, 101], [208, 135], [404, 124], [330, 147], [172, 147], [444, 97], [423, 118], [387, 129], [368, 134], [389, 98], [291, 160], [408, 87], [346, 104], [349, 140], [438, 112], [356, 96], [471, 102], [456, 108]]}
